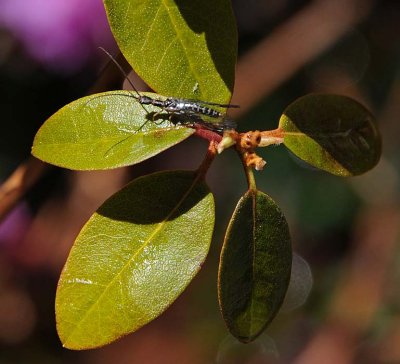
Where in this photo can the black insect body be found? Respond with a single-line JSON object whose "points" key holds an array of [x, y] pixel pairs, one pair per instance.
{"points": [[185, 111], [193, 111]]}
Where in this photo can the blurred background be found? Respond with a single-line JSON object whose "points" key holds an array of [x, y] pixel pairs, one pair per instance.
{"points": [[343, 304]]}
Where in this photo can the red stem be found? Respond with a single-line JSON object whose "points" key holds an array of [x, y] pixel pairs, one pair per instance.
{"points": [[207, 134], [205, 165]]}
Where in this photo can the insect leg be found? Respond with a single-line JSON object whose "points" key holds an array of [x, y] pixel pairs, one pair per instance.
{"points": [[107, 153]]}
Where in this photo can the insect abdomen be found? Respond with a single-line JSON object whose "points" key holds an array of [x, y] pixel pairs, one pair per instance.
{"points": [[199, 109]]}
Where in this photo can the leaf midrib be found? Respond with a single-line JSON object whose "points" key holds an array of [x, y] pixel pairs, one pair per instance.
{"points": [[105, 140], [113, 280], [254, 227], [185, 51]]}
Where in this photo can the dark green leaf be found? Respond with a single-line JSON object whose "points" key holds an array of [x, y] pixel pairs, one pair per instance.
{"points": [[333, 133], [133, 258], [180, 48], [104, 131], [255, 266]]}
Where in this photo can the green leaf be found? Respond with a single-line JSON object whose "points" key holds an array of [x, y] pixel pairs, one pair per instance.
{"points": [[133, 258], [180, 48], [104, 131], [255, 266], [333, 133]]}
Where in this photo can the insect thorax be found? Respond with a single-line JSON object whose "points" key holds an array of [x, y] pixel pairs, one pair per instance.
{"points": [[146, 100]]}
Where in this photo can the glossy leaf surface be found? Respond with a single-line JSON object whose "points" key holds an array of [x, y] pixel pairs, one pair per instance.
{"points": [[133, 258], [180, 48], [104, 131], [333, 133], [255, 266]]}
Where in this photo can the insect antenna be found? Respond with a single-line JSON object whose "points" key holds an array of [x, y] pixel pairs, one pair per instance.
{"points": [[138, 97]]}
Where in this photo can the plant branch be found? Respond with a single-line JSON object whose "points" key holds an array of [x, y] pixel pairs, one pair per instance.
{"points": [[207, 134], [292, 45], [30, 171], [248, 170], [208, 159], [20, 181]]}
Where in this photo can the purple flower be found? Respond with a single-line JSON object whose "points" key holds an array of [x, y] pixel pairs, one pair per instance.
{"points": [[62, 34], [14, 226]]}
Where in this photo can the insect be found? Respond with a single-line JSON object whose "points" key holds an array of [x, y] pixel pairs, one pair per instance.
{"points": [[184, 111]]}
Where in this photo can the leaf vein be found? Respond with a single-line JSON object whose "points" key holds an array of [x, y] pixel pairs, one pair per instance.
{"points": [[129, 261], [147, 36], [180, 39], [165, 53]]}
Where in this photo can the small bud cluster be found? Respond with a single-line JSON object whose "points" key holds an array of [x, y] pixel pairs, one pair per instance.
{"points": [[246, 143]]}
